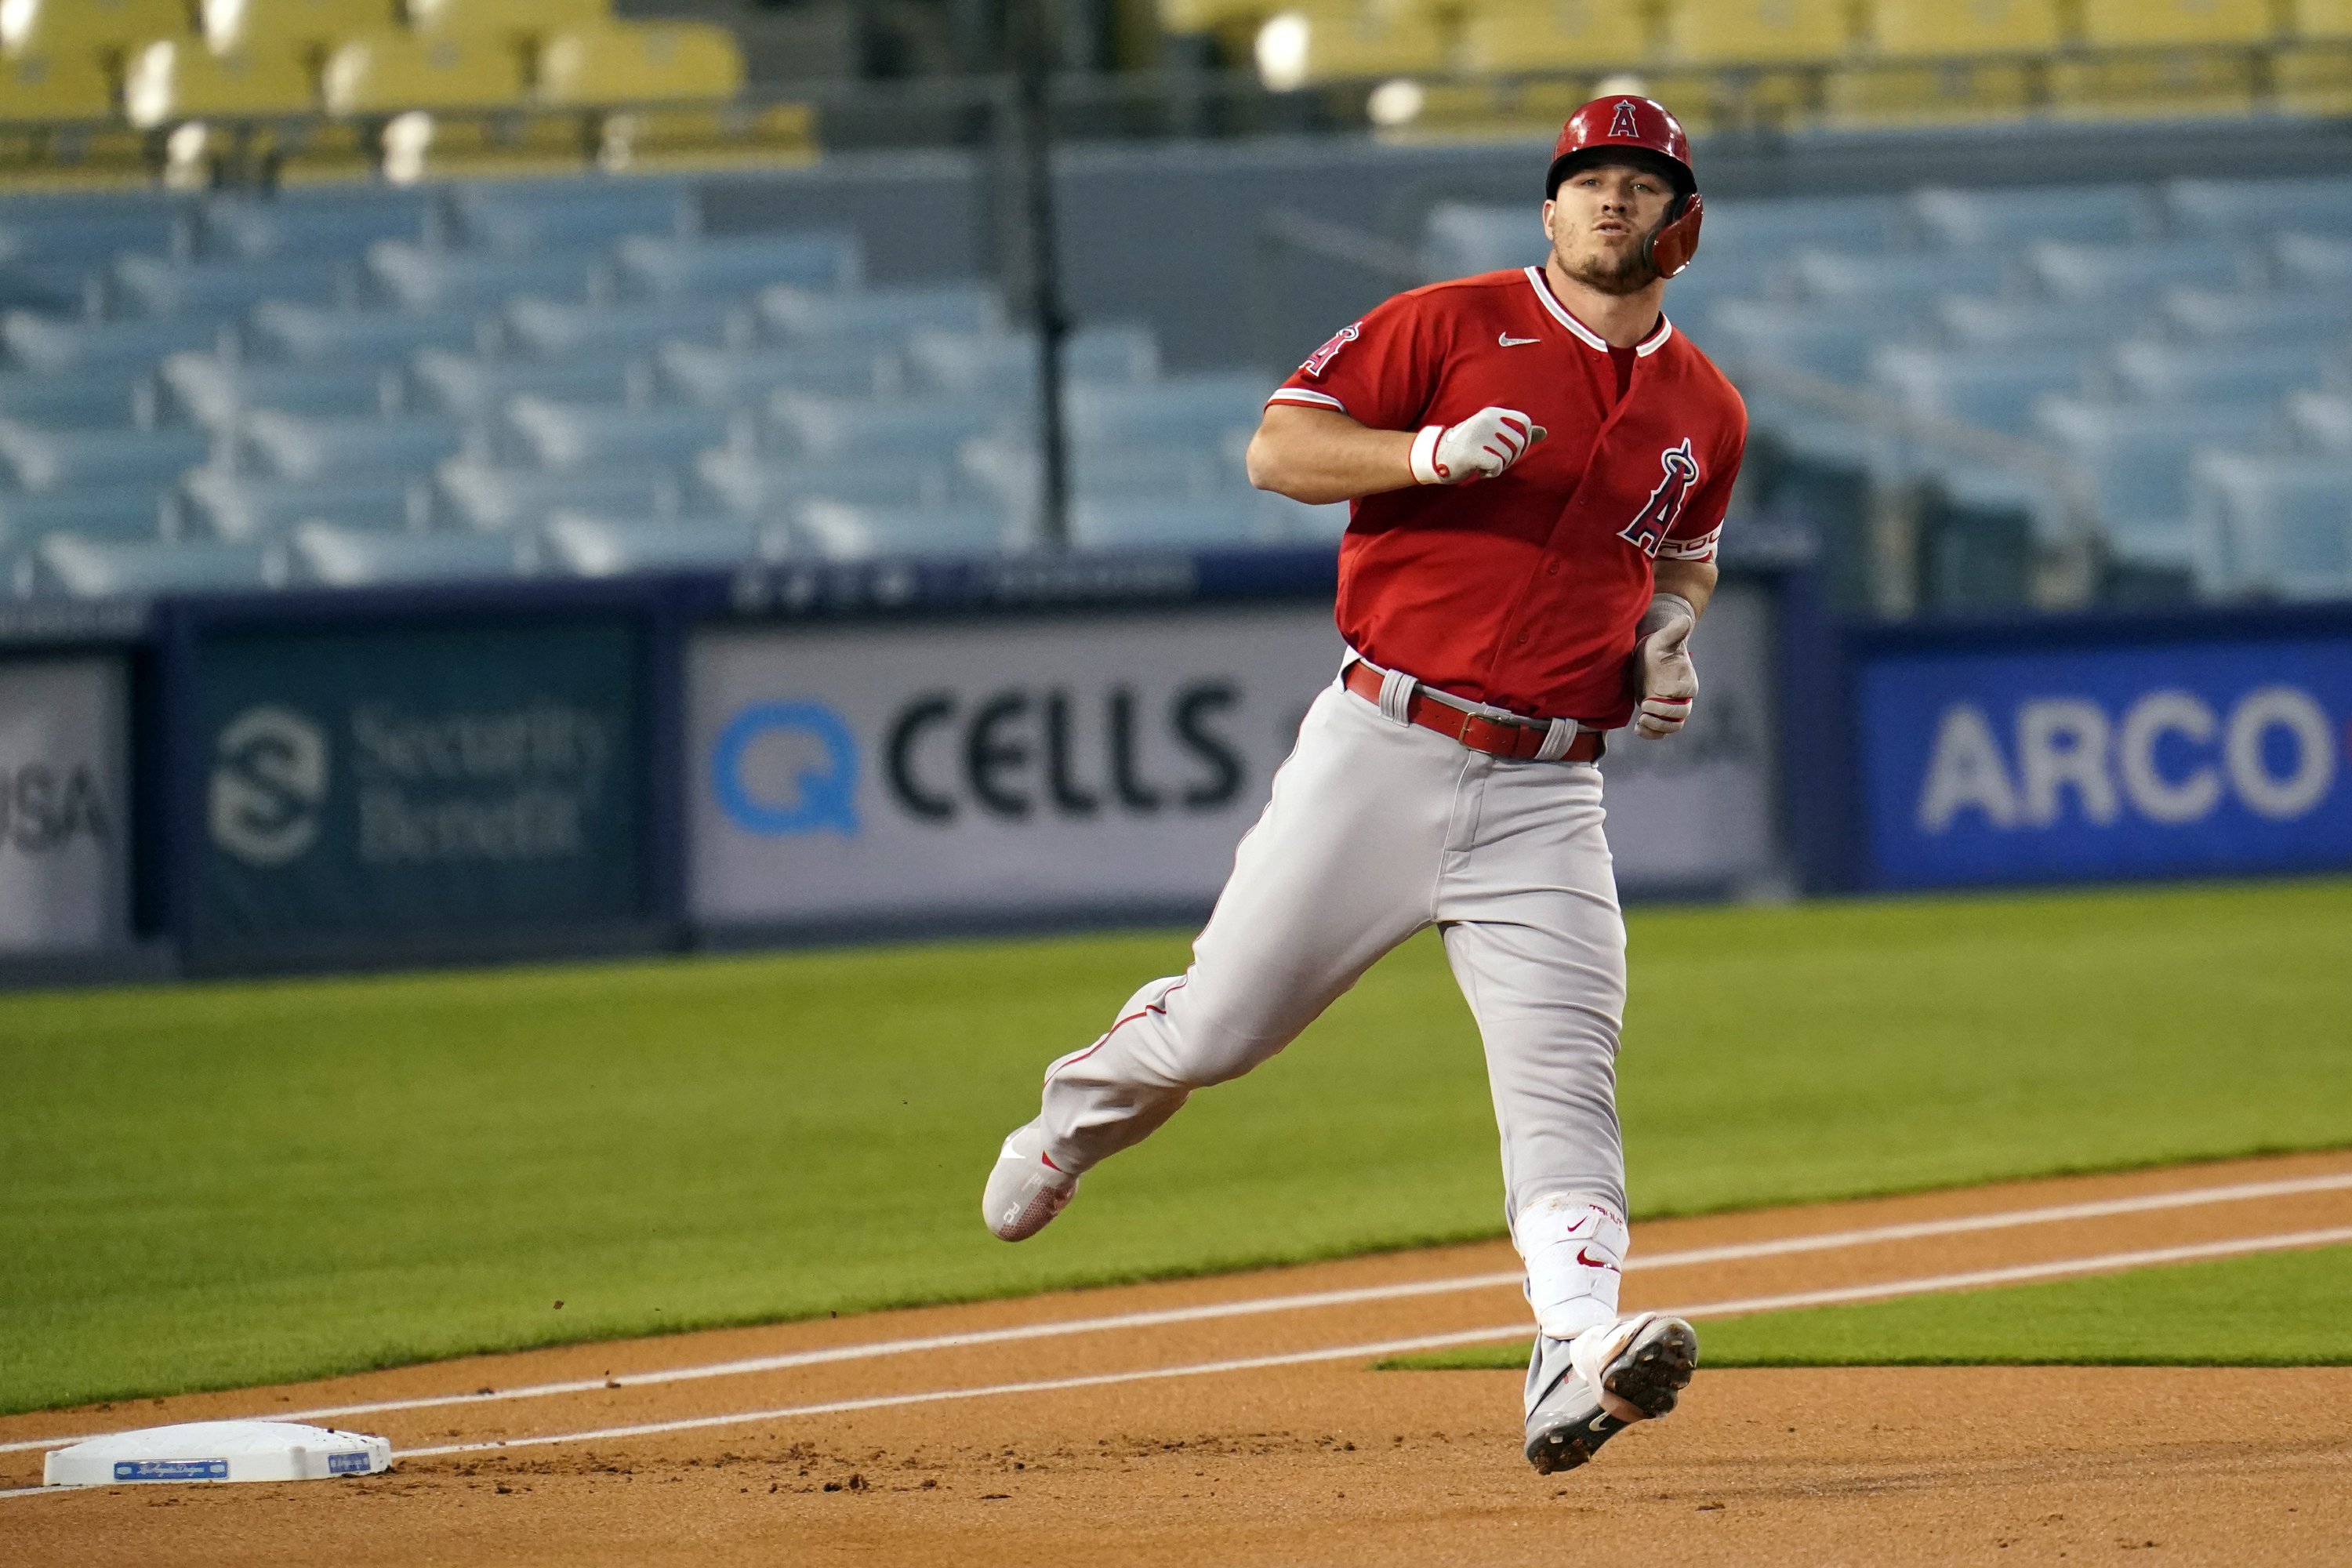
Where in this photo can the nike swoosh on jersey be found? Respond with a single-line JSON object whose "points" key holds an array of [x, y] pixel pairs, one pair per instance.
{"points": [[1509, 342]]}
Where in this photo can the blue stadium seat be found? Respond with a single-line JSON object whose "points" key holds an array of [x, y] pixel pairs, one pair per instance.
{"points": [[2218, 373], [2009, 217], [2322, 419], [741, 263], [751, 484], [1011, 469], [475, 387], [2273, 523], [112, 396], [1296, 522], [45, 460], [1990, 388], [155, 286], [250, 507], [2230, 208], [2284, 315], [1897, 280], [318, 333], [2313, 258], [1751, 230], [737, 377], [886, 316], [1974, 321], [2092, 271], [575, 435], [50, 287], [523, 216], [1145, 522], [488, 496], [1005, 364], [609, 547], [299, 446], [217, 392], [96, 569], [1200, 407], [358, 558], [842, 532], [1459, 240], [51, 343], [918, 430], [2135, 456], [119, 512], [1822, 340], [426, 278], [551, 327], [90, 230], [325, 225]]}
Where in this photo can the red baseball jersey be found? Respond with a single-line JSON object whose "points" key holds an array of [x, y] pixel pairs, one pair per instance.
{"points": [[1524, 591]]}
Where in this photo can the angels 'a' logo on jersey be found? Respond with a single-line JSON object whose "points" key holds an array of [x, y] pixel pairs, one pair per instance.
{"points": [[1657, 519], [1320, 359]]}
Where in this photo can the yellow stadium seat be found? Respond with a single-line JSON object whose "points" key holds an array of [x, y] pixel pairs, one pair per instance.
{"points": [[1913, 27], [1239, 16], [387, 72], [652, 62], [1740, 31], [306, 28], [179, 79], [1553, 34], [35, 88], [59, 28], [2314, 78], [2119, 23], [511, 18], [420, 146], [1929, 94], [1328, 42], [2190, 82], [2322, 19]]}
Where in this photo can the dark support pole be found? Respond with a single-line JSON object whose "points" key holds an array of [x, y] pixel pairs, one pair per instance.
{"points": [[1032, 59]]}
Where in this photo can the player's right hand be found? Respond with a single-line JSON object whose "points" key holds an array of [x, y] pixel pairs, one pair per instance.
{"points": [[1479, 447]]}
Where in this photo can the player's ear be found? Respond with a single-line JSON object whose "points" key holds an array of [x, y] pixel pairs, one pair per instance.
{"points": [[1547, 217]]}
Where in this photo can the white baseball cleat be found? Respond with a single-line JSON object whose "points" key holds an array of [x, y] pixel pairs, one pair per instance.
{"points": [[1584, 1391], [1026, 1189]]}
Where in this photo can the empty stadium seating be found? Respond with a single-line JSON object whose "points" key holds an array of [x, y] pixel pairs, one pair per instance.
{"points": [[316, 390]]}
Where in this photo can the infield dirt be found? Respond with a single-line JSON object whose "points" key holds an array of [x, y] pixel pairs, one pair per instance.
{"points": [[1305, 1462]]}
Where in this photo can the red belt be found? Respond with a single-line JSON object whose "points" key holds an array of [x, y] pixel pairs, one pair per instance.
{"points": [[1496, 737]]}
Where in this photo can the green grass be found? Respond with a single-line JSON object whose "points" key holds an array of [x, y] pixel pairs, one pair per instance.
{"points": [[2283, 1308], [208, 1185]]}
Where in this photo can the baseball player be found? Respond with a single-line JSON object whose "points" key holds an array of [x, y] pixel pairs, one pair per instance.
{"points": [[1539, 465]]}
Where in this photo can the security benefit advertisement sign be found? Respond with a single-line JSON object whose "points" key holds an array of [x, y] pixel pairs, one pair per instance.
{"points": [[2129, 761], [418, 782], [65, 818], [1695, 813], [1048, 766]]}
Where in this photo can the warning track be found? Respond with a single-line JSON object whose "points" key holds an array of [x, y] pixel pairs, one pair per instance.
{"points": [[1144, 1404]]}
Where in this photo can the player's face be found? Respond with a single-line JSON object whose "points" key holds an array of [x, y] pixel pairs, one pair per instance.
{"points": [[1598, 218]]}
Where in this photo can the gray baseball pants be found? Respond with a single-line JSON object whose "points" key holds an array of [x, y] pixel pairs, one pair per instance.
{"points": [[1376, 829]]}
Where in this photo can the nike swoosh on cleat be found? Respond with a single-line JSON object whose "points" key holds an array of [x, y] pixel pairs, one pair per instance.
{"points": [[1509, 342]]}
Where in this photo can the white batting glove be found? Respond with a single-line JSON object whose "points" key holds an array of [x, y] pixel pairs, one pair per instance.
{"points": [[1479, 447], [1663, 677]]}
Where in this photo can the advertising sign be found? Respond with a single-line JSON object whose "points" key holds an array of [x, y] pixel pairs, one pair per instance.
{"points": [[418, 781], [65, 819], [1696, 812], [2155, 760], [1097, 762], [1103, 762]]}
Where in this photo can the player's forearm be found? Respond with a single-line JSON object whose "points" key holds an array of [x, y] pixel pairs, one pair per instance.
{"points": [[1692, 580], [1318, 455]]}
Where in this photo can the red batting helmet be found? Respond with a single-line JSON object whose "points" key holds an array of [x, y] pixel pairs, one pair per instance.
{"points": [[1637, 125]]}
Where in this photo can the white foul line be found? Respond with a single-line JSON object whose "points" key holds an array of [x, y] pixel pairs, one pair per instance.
{"points": [[2102, 1263], [1778, 1246], [2058, 1267]]}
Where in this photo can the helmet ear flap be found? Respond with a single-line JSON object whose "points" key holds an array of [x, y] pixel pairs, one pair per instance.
{"points": [[1673, 243]]}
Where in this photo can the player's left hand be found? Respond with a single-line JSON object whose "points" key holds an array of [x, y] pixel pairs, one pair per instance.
{"points": [[1666, 681]]}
